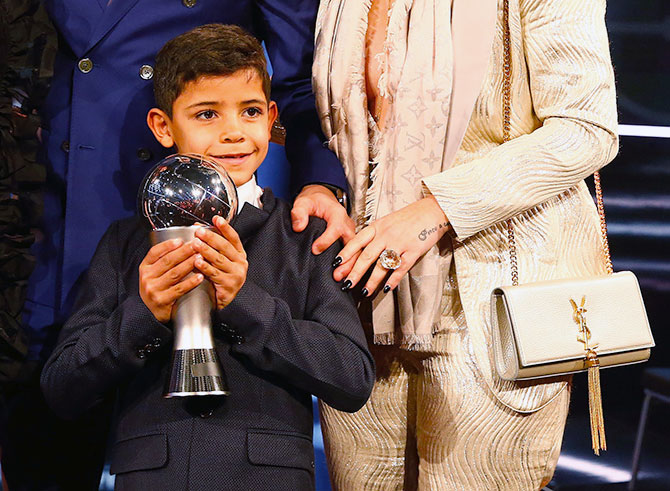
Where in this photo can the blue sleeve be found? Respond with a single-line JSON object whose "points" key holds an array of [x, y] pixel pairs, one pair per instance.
{"points": [[288, 31]]}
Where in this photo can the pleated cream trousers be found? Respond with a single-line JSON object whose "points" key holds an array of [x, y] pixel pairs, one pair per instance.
{"points": [[433, 424]]}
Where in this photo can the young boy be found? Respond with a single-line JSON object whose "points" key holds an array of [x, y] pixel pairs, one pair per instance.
{"points": [[284, 329]]}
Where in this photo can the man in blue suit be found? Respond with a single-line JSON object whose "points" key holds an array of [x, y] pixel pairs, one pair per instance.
{"points": [[98, 149]]}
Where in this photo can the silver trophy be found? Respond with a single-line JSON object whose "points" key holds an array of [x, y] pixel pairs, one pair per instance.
{"points": [[180, 194]]}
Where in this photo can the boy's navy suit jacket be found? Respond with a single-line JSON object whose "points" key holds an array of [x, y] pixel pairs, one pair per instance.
{"points": [[96, 140], [290, 332]]}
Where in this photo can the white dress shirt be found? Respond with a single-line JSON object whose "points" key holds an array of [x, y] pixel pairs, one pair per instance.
{"points": [[249, 192]]}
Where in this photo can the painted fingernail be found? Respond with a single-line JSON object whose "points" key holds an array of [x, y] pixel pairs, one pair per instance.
{"points": [[176, 242], [386, 289], [337, 261], [364, 292], [347, 284]]}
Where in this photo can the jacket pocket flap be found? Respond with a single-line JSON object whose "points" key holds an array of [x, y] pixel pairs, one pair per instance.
{"points": [[282, 449], [139, 453]]}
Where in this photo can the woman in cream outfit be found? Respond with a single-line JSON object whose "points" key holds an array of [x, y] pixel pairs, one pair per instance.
{"points": [[410, 96]]}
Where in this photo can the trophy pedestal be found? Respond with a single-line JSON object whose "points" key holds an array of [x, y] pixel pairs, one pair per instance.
{"points": [[195, 372]]}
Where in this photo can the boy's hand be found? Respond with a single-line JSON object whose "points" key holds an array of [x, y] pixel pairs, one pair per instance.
{"points": [[222, 259], [163, 276]]}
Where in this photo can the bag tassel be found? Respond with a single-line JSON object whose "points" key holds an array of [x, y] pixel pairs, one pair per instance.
{"points": [[595, 404]]}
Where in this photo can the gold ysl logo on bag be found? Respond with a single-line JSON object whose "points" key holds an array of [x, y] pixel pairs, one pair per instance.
{"points": [[598, 441], [584, 333]]}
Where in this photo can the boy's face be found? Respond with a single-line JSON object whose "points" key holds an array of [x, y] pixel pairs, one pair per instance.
{"points": [[226, 118]]}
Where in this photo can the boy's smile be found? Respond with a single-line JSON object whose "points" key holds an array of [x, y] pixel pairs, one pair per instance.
{"points": [[224, 117]]}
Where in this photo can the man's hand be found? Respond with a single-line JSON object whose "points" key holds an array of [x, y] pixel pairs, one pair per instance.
{"points": [[319, 201], [164, 276], [222, 259]]}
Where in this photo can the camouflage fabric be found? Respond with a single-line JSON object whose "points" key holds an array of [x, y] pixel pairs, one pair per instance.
{"points": [[27, 51]]}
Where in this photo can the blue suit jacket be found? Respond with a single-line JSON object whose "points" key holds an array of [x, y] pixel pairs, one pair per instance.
{"points": [[97, 143]]}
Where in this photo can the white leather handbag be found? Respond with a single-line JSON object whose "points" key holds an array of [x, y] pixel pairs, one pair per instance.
{"points": [[559, 327], [546, 329]]}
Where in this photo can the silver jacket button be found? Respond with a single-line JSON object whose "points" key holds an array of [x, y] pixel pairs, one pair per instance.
{"points": [[146, 72], [85, 65]]}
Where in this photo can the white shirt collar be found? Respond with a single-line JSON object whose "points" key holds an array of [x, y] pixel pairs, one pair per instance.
{"points": [[249, 192]]}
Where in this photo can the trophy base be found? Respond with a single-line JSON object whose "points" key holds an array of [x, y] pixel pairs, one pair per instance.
{"points": [[196, 372]]}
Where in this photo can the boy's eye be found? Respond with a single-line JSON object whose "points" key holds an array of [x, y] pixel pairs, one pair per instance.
{"points": [[207, 114], [253, 111]]}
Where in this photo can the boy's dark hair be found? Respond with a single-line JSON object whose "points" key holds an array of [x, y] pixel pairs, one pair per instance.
{"points": [[212, 49]]}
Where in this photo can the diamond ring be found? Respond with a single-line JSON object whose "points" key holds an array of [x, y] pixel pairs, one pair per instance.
{"points": [[389, 259]]}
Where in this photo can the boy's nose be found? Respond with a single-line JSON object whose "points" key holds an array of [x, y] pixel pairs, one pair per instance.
{"points": [[231, 132]]}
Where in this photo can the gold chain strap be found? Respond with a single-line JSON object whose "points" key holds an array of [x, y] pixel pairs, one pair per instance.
{"points": [[603, 223], [507, 113]]}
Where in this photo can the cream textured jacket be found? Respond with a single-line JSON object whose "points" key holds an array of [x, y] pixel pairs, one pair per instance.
{"points": [[564, 127]]}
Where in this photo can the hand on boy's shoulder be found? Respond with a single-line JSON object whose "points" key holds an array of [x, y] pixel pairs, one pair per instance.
{"points": [[222, 259], [319, 201]]}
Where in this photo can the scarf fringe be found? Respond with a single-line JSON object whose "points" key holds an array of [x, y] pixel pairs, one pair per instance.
{"points": [[409, 342], [385, 338], [417, 342]]}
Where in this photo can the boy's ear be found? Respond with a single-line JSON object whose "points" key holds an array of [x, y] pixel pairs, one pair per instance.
{"points": [[272, 114], [159, 124]]}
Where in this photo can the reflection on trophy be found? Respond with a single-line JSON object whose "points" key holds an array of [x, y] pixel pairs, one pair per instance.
{"points": [[178, 193]]}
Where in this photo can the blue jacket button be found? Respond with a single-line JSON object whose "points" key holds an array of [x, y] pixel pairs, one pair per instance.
{"points": [[85, 65], [146, 72]]}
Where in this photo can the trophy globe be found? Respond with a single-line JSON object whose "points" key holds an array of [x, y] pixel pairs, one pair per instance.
{"points": [[184, 190], [178, 195]]}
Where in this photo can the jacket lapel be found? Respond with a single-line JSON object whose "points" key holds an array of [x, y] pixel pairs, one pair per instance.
{"points": [[113, 13], [472, 30]]}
